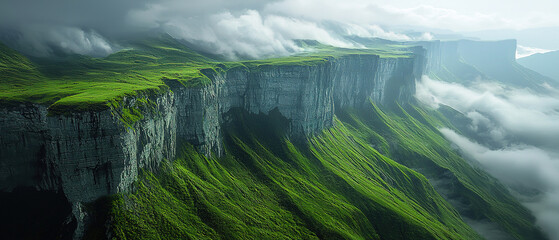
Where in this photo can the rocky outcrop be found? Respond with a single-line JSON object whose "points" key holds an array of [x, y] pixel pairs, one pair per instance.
{"points": [[487, 51], [84, 155], [87, 155]]}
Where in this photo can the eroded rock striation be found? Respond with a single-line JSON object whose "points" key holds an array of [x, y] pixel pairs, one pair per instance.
{"points": [[87, 155]]}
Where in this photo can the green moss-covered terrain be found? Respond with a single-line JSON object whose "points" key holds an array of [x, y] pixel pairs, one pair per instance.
{"points": [[352, 181], [378, 173], [81, 83]]}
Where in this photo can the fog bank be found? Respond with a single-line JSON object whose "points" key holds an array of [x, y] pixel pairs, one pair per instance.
{"points": [[525, 127]]}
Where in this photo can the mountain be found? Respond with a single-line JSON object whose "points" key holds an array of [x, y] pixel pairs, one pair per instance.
{"points": [[466, 61], [546, 37], [544, 63], [159, 141]]}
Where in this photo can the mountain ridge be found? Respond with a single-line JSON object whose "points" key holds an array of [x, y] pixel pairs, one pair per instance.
{"points": [[544, 63], [190, 104]]}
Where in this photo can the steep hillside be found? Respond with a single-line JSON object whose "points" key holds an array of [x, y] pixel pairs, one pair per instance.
{"points": [[158, 141], [544, 63], [341, 184], [16, 71], [80, 83], [335, 186]]}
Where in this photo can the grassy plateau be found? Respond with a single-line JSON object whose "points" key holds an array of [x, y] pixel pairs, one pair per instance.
{"points": [[378, 173], [80, 83]]}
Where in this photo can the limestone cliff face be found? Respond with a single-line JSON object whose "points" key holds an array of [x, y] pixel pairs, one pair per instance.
{"points": [[92, 154], [85, 155], [431, 52], [487, 52], [466, 61], [395, 80], [303, 94], [481, 54], [356, 78]]}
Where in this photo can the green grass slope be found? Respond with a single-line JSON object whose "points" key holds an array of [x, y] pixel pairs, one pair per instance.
{"points": [[80, 83], [340, 184], [457, 71], [410, 137], [333, 186], [15, 70]]}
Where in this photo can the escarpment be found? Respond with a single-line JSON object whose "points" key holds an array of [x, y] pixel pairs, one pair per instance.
{"points": [[87, 155]]}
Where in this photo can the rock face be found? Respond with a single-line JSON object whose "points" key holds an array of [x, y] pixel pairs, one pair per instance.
{"points": [[85, 155], [485, 52], [466, 62], [92, 154], [438, 53]]}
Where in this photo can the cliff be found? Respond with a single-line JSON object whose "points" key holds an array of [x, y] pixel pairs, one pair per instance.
{"points": [[466, 62], [90, 154], [337, 162], [544, 63]]}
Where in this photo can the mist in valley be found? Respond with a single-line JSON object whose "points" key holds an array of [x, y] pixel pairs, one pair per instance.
{"points": [[521, 130], [514, 133]]}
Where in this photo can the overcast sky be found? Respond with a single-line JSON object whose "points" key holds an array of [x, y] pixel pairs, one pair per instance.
{"points": [[89, 27], [254, 29]]}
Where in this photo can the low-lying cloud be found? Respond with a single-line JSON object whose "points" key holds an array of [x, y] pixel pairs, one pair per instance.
{"points": [[261, 31], [240, 29], [228, 21], [43, 41], [522, 51], [525, 129], [517, 115], [249, 34]]}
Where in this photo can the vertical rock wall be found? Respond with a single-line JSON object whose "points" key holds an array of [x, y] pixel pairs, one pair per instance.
{"points": [[92, 154]]}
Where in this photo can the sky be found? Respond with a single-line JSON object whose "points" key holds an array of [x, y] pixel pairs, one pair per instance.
{"points": [[254, 29], [523, 123]]}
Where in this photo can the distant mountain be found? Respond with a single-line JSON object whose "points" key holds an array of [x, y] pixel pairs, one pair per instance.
{"points": [[160, 141], [466, 61], [546, 38], [544, 63]]}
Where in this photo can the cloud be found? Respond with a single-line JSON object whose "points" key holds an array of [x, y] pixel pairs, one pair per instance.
{"points": [[371, 30], [250, 34], [256, 33], [247, 34], [525, 127], [41, 40], [246, 28], [367, 12], [519, 114], [489, 230], [522, 51], [114, 20], [520, 165], [531, 171]]}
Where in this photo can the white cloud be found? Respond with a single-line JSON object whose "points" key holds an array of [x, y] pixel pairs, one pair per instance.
{"points": [[525, 126], [522, 51], [520, 113], [360, 17], [253, 33], [43, 40], [250, 34], [366, 12], [525, 166]]}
